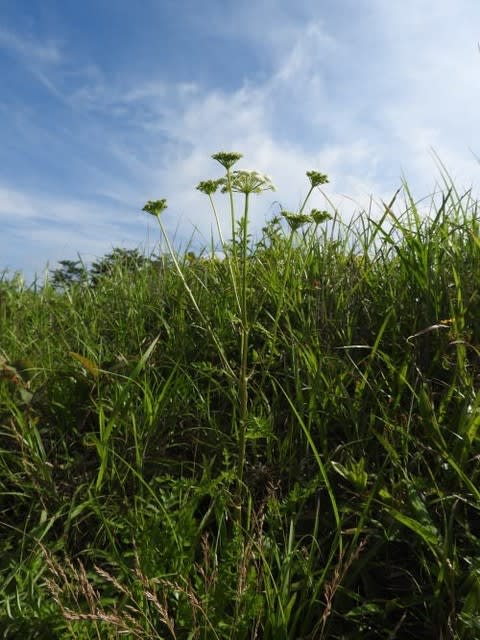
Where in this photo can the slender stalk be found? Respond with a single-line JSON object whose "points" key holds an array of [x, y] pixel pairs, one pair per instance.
{"points": [[230, 262], [232, 211], [286, 278], [306, 199], [244, 343], [206, 322]]}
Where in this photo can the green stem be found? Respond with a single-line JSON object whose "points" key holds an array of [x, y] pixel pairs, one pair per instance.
{"points": [[306, 200], [232, 212], [225, 251], [243, 374], [207, 324], [284, 288]]}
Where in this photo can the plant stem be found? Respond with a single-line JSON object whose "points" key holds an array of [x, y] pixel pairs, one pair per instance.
{"points": [[206, 322], [232, 212], [243, 374], [224, 246]]}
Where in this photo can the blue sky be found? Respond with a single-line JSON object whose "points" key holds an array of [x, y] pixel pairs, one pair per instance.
{"points": [[105, 104]]}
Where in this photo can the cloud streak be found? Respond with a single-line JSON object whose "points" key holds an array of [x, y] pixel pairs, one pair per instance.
{"points": [[30, 49]]}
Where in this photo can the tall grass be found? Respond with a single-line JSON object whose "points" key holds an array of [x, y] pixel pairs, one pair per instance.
{"points": [[282, 443]]}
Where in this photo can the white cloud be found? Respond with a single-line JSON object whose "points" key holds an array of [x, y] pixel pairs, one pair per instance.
{"points": [[16, 204], [42, 228], [31, 49]]}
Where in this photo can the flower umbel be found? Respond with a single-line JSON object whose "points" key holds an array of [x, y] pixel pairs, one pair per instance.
{"points": [[319, 216], [316, 178], [248, 182], [296, 220], [155, 207], [209, 187], [227, 158]]}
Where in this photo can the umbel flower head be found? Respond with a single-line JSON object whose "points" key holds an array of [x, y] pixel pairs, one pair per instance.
{"points": [[316, 178], [155, 207], [209, 187], [227, 158], [320, 216], [296, 220], [248, 182]]}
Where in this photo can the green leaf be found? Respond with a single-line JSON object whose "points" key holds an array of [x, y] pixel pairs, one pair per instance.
{"points": [[427, 532]]}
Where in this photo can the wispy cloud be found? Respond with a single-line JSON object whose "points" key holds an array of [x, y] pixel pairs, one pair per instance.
{"points": [[15, 203], [29, 48], [55, 228]]}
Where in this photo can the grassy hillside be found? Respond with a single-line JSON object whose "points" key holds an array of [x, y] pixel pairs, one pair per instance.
{"points": [[282, 443]]}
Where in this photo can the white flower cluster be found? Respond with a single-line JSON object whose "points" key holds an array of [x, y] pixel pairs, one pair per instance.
{"points": [[244, 181]]}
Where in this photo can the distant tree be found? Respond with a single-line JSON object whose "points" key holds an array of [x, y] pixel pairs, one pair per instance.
{"points": [[124, 259], [75, 272], [70, 272]]}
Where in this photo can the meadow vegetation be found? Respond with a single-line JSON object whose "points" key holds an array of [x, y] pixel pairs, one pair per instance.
{"points": [[278, 443]]}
